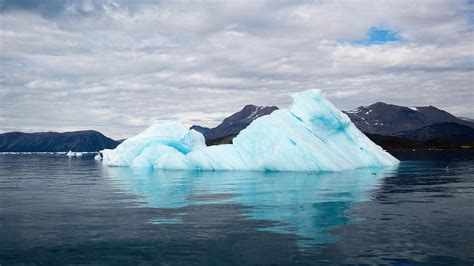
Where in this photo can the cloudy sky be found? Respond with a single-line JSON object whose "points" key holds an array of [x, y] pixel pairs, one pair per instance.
{"points": [[117, 66]]}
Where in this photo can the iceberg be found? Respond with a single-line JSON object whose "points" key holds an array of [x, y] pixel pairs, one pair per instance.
{"points": [[72, 154], [311, 135]]}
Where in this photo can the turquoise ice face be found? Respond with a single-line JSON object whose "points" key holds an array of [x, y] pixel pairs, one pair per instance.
{"points": [[307, 205]]}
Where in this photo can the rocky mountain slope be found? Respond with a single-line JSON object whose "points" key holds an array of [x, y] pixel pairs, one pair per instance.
{"points": [[388, 119], [233, 124]]}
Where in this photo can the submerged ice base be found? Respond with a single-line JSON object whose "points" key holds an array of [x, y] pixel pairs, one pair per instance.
{"points": [[312, 135]]}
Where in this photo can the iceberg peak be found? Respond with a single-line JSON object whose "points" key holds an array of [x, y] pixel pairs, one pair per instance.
{"points": [[312, 135]]}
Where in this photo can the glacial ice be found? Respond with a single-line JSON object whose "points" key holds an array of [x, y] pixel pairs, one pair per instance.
{"points": [[312, 135], [72, 154]]}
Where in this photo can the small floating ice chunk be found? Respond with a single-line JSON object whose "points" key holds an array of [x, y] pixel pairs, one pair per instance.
{"points": [[98, 157]]}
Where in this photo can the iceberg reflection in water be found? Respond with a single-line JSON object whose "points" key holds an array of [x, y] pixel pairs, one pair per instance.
{"points": [[304, 204]]}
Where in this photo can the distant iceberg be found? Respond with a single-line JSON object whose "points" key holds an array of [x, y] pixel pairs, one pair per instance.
{"points": [[312, 135], [77, 154]]}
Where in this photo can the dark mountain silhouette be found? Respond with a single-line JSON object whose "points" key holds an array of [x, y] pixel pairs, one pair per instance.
{"points": [[232, 125], [388, 119], [444, 131], [85, 141], [395, 143], [388, 125]]}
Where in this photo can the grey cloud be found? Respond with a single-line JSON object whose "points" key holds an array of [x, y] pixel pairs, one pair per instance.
{"points": [[44, 7], [117, 66], [51, 8]]}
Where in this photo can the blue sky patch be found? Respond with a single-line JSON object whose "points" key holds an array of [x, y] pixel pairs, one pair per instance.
{"points": [[378, 36]]}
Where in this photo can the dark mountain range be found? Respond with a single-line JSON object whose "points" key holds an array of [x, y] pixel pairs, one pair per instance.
{"points": [[233, 124], [444, 131], [395, 143], [387, 119], [388, 125], [85, 141]]}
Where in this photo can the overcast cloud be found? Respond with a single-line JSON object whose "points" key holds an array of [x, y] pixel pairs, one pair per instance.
{"points": [[117, 66]]}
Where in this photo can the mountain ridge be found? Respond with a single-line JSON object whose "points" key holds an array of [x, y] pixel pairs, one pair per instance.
{"points": [[388, 124], [81, 141], [441, 131], [236, 122], [419, 126], [388, 119]]}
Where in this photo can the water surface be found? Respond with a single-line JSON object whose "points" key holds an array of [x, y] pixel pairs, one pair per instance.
{"points": [[60, 210]]}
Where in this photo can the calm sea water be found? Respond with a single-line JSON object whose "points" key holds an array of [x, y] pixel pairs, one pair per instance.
{"points": [[60, 210]]}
